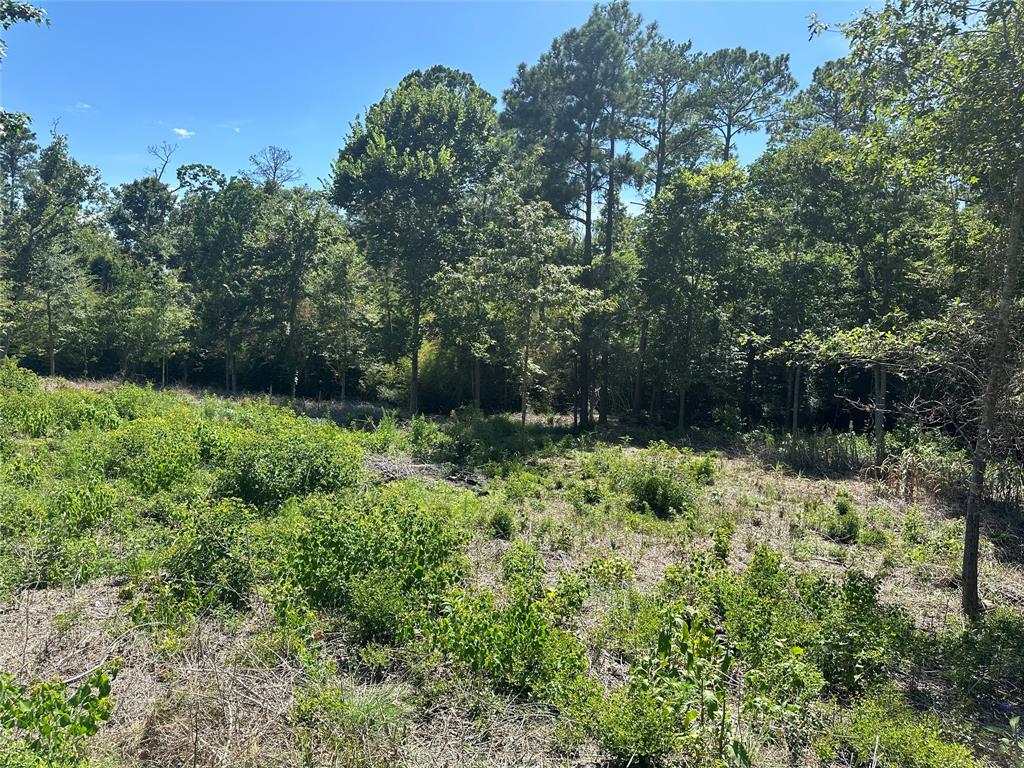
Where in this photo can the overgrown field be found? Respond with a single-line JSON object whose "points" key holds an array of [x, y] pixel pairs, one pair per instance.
{"points": [[201, 582]]}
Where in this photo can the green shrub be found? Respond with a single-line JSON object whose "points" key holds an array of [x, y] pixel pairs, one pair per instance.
{"points": [[859, 642], [516, 646], [634, 727], [987, 657], [851, 639], [475, 439], [210, 556], [820, 453], [522, 568], [660, 480], [842, 528], [886, 732], [676, 697], [384, 558], [14, 378], [131, 401], [265, 468], [839, 521], [50, 724], [385, 435], [156, 453], [503, 523], [426, 439]]}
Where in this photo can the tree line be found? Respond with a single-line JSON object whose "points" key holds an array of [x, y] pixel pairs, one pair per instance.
{"points": [[592, 247]]}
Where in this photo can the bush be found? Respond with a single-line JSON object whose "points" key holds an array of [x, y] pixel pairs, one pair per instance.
{"points": [[859, 642], [427, 440], [384, 558], [267, 467], [987, 657], [14, 378], [210, 557], [844, 525], [155, 454], [851, 639], [636, 727], [886, 732], [474, 439], [660, 480], [516, 646], [676, 697], [820, 453], [46, 724], [503, 523]]}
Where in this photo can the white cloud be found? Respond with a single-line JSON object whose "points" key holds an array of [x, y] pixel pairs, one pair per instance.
{"points": [[82, 106], [184, 133], [237, 130]]}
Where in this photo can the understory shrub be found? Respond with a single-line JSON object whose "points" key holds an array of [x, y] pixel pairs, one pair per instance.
{"points": [[385, 557], [294, 458], [676, 698], [211, 555], [886, 732], [45, 724], [156, 453], [825, 452], [659, 480], [476, 439]]}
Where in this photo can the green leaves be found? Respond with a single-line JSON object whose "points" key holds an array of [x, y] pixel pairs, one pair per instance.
{"points": [[51, 723]]}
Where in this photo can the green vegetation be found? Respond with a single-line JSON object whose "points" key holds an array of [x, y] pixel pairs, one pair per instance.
{"points": [[245, 519]]}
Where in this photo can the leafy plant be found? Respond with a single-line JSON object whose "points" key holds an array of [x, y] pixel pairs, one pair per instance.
{"points": [[51, 723]]}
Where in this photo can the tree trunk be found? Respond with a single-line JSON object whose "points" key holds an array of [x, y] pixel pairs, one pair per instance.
{"points": [[609, 231], [660, 154], [681, 422], [49, 336], [586, 327], [414, 374], [879, 425], [971, 600], [477, 375], [638, 386], [524, 392], [796, 400]]}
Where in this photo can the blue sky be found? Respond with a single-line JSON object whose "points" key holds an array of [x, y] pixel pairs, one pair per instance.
{"points": [[225, 79]]}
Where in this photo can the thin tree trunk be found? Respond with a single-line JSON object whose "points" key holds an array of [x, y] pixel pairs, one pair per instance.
{"points": [[49, 336], [609, 231], [971, 600], [414, 375], [477, 375], [586, 327], [879, 425], [525, 383], [638, 386], [796, 400]]}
